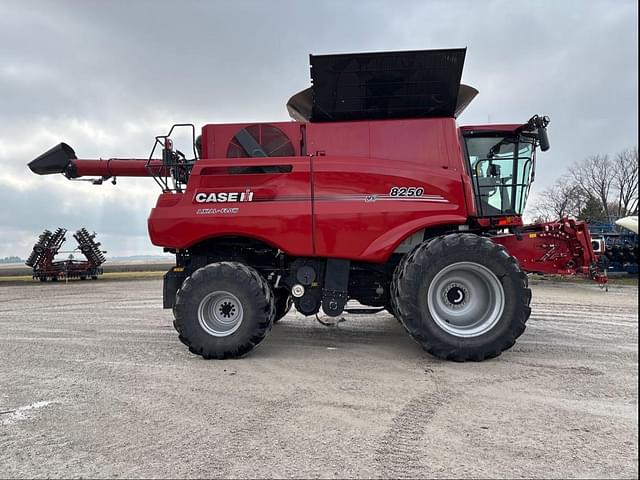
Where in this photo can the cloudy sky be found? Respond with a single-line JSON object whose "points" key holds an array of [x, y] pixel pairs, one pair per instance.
{"points": [[107, 76]]}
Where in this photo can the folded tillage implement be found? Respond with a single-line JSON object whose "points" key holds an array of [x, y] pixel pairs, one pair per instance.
{"points": [[48, 246], [374, 194]]}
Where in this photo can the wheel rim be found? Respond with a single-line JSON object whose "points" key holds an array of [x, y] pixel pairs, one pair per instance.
{"points": [[466, 299], [220, 313]]}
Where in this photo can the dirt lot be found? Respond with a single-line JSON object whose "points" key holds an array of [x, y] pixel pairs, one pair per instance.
{"points": [[94, 383]]}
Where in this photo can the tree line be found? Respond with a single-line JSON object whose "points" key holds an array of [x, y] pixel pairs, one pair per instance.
{"points": [[598, 188], [12, 259]]}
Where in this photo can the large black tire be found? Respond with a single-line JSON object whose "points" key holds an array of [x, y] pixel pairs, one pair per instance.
{"points": [[482, 276], [209, 304], [393, 294], [283, 303]]}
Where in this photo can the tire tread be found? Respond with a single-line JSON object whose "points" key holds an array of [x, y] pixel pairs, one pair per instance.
{"points": [[412, 269], [253, 281]]}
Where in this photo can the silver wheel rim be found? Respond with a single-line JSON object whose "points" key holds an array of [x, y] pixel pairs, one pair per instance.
{"points": [[466, 299], [220, 313]]}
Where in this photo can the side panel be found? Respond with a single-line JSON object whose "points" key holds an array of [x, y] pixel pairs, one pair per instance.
{"points": [[360, 211], [222, 201]]}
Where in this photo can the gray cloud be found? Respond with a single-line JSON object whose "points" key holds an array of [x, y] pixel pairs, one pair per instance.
{"points": [[108, 76]]}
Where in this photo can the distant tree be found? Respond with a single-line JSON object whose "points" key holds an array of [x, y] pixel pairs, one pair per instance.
{"points": [[593, 211], [561, 199], [596, 188], [12, 259], [625, 182], [594, 177]]}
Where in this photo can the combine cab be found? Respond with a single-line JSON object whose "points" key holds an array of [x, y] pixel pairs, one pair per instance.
{"points": [[374, 194], [48, 246]]}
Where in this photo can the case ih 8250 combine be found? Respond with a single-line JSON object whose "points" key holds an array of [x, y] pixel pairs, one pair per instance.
{"points": [[374, 193]]}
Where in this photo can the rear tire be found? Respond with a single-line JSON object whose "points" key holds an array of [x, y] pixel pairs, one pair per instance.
{"points": [[462, 297], [223, 310]]}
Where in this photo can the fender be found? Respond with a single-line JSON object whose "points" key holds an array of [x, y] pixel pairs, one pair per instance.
{"points": [[383, 247]]}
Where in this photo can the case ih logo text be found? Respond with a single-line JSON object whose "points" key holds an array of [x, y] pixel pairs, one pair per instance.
{"points": [[222, 197]]}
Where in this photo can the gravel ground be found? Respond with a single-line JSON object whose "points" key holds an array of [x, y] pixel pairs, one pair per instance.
{"points": [[94, 383]]}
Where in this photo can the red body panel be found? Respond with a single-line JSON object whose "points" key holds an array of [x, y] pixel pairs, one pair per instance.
{"points": [[280, 213], [356, 218], [335, 202], [497, 127]]}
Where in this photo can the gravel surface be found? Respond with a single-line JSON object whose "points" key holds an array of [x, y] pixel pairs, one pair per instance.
{"points": [[94, 383]]}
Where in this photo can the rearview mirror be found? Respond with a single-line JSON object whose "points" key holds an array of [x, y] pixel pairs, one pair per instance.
{"points": [[543, 138]]}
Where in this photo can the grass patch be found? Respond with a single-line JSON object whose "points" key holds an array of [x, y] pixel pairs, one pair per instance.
{"points": [[109, 276], [633, 281], [131, 275], [16, 278]]}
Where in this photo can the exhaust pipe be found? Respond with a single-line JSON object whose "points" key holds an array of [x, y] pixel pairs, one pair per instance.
{"points": [[57, 159]]}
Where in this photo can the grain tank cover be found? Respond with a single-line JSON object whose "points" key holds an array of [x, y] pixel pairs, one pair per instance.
{"points": [[367, 86]]}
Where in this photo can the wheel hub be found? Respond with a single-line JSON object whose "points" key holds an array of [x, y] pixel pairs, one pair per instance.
{"points": [[466, 299], [455, 295], [220, 313], [227, 309]]}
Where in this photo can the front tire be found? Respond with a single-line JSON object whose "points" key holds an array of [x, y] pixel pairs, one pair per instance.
{"points": [[462, 297], [223, 310]]}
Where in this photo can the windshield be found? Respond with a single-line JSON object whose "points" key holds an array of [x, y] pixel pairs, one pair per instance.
{"points": [[501, 169]]}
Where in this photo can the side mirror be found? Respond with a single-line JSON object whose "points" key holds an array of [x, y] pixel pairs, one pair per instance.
{"points": [[541, 125], [543, 138]]}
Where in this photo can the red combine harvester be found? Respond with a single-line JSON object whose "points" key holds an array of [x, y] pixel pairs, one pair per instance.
{"points": [[48, 246], [373, 193]]}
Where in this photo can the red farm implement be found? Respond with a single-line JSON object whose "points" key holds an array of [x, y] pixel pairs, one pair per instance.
{"points": [[48, 246]]}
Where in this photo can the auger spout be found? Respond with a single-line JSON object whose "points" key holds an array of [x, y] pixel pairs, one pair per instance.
{"points": [[63, 159]]}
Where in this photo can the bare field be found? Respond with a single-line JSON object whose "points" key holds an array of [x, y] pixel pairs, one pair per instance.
{"points": [[94, 383]]}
